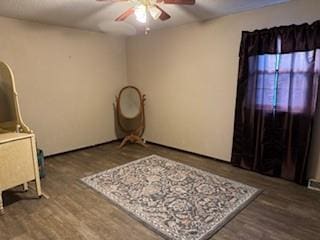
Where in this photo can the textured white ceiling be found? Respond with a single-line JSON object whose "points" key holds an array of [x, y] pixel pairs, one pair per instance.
{"points": [[99, 16]]}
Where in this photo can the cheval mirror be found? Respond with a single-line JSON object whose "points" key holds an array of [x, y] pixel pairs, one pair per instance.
{"points": [[130, 114]]}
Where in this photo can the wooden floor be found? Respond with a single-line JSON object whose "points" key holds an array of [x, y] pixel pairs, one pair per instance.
{"points": [[283, 211]]}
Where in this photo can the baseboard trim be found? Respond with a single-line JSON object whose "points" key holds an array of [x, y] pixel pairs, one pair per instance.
{"points": [[148, 142], [82, 148], [189, 152]]}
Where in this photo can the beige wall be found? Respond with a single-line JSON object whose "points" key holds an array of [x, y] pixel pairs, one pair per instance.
{"points": [[189, 74], [66, 80]]}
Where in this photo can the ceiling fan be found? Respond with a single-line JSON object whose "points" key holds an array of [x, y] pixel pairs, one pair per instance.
{"points": [[142, 8]]}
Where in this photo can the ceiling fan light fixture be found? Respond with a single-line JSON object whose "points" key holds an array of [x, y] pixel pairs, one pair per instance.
{"points": [[141, 13]]}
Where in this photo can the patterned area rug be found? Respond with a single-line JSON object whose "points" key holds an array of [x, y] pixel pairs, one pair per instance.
{"points": [[173, 199]]}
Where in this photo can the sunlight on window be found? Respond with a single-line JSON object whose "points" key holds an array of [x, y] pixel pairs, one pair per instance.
{"points": [[280, 81]]}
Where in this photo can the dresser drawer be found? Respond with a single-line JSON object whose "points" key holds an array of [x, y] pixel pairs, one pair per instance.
{"points": [[16, 163]]}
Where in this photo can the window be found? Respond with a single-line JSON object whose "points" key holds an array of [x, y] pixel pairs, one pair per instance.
{"points": [[279, 81]]}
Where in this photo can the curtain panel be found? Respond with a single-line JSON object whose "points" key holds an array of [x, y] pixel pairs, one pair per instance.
{"points": [[276, 100]]}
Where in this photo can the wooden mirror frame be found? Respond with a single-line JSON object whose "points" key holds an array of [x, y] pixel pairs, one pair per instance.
{"points": [[132, 135]]}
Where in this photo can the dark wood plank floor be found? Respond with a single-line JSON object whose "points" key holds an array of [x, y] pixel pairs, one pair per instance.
{"points": [[283, 211]]}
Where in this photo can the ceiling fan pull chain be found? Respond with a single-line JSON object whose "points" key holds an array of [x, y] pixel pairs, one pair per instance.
{"points": [[146, 26]]}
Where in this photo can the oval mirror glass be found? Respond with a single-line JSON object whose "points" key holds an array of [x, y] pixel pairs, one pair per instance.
{"points": [[130, 102]]}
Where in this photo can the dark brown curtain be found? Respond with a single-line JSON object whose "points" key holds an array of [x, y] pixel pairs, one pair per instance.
{"points": [[276, 100]]}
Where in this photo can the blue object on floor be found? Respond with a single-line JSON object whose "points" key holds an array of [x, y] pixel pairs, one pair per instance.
{"points": [[40, 155]]}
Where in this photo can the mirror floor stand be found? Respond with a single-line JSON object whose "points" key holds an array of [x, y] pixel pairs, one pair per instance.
{"points": [[133, 139]]}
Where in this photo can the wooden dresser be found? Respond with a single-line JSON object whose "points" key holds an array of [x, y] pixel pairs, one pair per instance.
{"points": [[18, 156], [19, 163]]}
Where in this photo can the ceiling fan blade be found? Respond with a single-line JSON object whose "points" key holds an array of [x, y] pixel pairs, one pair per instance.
{"points": [[124, 15], [154, 12], [164, 15], [185, 2]]}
